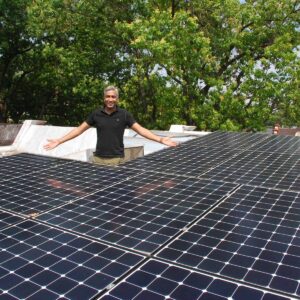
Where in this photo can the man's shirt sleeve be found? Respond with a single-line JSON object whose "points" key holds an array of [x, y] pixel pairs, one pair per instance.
{"points": [[130, 119], [90, 119]]}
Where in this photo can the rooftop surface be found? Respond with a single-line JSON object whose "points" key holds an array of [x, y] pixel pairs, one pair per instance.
{"points": [[214, 218]]}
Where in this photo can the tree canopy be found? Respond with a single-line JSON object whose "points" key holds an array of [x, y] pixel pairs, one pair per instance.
{"points": [[215, 64]]}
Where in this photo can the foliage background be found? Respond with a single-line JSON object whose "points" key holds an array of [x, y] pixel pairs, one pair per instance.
{"points": [[216, 64]]}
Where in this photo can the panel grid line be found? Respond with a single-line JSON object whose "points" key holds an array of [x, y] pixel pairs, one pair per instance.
{"points": [[257, 244], [39, 261], [160, 280]]}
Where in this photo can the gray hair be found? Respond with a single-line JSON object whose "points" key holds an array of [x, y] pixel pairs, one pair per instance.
{"points": [[111, 88]]}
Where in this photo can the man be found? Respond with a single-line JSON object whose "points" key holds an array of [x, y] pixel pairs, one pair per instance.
{"points": [[110, 122]]}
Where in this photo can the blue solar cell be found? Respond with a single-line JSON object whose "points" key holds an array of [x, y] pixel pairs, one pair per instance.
{"points": [[81, 291], [24, 290], [198, 281], [62, 285], [60, 271], [175, 274], [9, 281], [80, 273], [209, 296], [265, 266], [291, 261], [268, 296], [210, 265], [126, 291], [222, 288], [44, 294], [79, 257], [259, 278], [289, 271], [11, 264], [63, 266], [45, 277], [247, 293], [5, 296], [29, 270], [148, 295], [115, 269], [141, 278], [162, 286], [272, 256], [97, 263], [47, 260], [186, 292], [189, 260], [7, 219]]}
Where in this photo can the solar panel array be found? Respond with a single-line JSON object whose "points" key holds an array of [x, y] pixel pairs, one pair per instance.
{"points": [[217, 217], [141, 213]]}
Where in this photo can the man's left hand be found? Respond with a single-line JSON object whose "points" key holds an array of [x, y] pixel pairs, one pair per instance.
{"points": [[168, 142]]}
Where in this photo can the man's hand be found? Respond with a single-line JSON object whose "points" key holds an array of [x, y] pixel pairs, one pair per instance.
{"points": [[51, 144], [168, 142]]}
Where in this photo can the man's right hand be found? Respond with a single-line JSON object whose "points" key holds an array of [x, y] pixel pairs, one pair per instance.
{"points": [[51, 144]]}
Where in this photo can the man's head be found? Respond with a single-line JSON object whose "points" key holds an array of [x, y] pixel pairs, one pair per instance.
{"points": [[111, 97]]}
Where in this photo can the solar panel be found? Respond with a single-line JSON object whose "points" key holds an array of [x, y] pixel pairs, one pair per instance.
{"points": [[216, 218], [271, 170], [23, 164], [221, 139], [7, 219], [252, 237], [184, 161], [45, 189], [279, 144], [40, 262], [140, 213], [158, 280], [215, 141], [199, 155]]}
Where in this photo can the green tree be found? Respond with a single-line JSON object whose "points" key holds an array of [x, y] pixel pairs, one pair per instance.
{"points": [[216, 64], [230, 65], [16, 56]]}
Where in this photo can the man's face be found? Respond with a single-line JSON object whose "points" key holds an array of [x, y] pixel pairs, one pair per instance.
{"points": [[110, 99]]}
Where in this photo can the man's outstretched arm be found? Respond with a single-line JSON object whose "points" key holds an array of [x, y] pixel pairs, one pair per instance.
{"points": [[52, 143], [151, 136]]}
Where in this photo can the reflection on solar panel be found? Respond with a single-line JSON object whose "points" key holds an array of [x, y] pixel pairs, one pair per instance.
{"points": [[39, 262], [184, 161], [31, 195], [84, 177], [252, 236], [7, 219], [23, 164], [40, 191], [280, 171], [218, 218], [158, 281], [140, 213]]}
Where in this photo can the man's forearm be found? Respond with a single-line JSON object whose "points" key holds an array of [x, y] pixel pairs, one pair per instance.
{"points": [[69, 136], [149, 135]]}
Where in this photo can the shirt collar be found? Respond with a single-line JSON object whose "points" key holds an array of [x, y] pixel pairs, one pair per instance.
{"points": [[103, 110]]}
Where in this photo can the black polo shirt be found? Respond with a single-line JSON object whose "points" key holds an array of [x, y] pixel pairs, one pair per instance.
{"points": [[110, 131]]}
